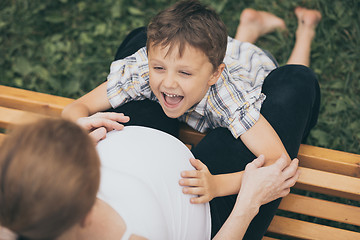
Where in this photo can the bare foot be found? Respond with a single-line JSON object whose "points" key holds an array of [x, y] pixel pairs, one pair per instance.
{"points": [[254, 24], [308, 19]]}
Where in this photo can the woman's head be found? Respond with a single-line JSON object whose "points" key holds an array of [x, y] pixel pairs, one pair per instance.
{"points": [[49, 177]]}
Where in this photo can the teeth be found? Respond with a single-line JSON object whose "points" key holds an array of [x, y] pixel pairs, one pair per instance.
{"points": [[171, 95]]}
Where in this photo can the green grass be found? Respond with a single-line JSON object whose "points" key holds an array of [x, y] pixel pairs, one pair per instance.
{"points": [[66, 47]]}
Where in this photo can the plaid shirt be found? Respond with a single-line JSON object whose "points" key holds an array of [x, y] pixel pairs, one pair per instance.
{"points": [[233, 102]]}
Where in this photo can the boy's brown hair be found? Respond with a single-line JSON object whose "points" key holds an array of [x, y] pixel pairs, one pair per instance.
{"points": [[49, 178], [189, 22]]}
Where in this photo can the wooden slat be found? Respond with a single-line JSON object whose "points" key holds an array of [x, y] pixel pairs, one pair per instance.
{"points": [[189, 135], [10, 117], [329, 160], [329, 183], [2, 138], [321, 208], [188, 146], [32, 101], [305, 230], [326, 159], [269, 238], [310, 156]]}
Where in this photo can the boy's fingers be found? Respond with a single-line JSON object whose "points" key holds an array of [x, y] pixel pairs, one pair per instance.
{"points": [[108, 124], [197, 164], [98, 134], [193, 190], [112, 116], [91, 123], [192, 182], [197, 200], [189, 174], [124, 119]]}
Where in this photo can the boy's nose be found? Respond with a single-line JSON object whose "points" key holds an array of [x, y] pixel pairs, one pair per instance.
{"points": [[169, 81]]}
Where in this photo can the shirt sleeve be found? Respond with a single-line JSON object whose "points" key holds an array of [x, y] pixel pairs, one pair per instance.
{"points": [[129, 79], [245, 117], [237, 97]]}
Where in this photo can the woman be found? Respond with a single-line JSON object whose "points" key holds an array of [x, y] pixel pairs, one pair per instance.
{"points": [[50, 174]]}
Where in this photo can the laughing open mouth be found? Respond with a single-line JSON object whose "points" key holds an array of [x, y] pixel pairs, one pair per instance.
{"points": [[172, 99]]}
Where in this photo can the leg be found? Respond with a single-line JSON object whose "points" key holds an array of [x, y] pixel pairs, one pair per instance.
{"points": [[133, 42], [148, 113], [291, 107], [143, 113], [254, 24], [307, 22]]}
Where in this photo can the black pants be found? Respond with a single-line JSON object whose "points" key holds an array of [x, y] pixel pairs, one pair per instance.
{"points": [[291, 107]]}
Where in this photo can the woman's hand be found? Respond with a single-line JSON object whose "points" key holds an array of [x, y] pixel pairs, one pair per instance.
{"points": [[198, 182], [261, 185], [100, 123]]}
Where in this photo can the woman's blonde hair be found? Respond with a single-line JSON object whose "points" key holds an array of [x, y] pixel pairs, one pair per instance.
{"points": [[49, 178]]}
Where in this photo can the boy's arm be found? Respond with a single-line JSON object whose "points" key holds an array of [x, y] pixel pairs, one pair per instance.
{"points": [[207, 186], [90, 103], [262, 139], [98, 124]]}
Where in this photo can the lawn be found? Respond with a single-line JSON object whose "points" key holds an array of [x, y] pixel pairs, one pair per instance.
{"points": [[65, 48]]}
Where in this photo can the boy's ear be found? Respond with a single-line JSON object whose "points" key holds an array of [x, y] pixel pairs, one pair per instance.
{"points": [[215, 76]]}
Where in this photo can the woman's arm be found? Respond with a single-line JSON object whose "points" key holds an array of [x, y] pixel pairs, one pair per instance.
{"points": [[259, 186], [238, 221]]}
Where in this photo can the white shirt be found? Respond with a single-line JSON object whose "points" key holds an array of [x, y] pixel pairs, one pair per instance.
{"points": [[140, 170]]}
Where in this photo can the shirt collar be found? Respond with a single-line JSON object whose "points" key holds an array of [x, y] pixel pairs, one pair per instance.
{"points": [[200, 106]]}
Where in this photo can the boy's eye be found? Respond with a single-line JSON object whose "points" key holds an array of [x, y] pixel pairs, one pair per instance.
{"points": [[158, 68], [185, 73]]}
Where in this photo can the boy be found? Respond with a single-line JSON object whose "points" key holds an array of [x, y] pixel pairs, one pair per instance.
{"points": [[209, 81]]}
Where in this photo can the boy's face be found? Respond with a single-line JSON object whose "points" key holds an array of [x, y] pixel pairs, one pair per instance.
{"points": [[179, 83]]}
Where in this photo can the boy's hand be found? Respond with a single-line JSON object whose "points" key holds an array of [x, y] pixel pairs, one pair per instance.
{"points": [[198, 182], [100, 123]]}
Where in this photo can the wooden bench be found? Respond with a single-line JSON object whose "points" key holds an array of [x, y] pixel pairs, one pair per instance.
{"points": [[326, 174]]}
